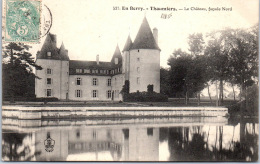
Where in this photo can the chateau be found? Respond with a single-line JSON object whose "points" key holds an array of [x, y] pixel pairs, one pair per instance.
{"points": [[79, 80]]}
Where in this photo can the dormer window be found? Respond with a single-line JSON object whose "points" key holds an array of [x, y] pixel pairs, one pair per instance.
{"points": [[49, 54], [86, 70], [78, 70], [116, 60]]}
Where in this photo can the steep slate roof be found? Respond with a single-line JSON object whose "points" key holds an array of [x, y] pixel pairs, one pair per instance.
{"points": [[128, 44], [117, 54], [144, 38], [49, 45], [89, 64], [63, 52]]}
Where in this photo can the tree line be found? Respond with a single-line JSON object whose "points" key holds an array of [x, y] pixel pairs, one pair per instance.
{"points": [[223, 56]]}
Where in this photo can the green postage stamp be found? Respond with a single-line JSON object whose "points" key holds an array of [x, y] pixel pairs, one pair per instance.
{"points": [[22, 21]]}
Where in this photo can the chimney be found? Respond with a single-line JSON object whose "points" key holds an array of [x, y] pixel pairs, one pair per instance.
{"points": [[97, 59], [155, 35]]}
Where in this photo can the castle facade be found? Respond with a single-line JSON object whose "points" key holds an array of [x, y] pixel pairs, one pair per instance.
{"points": [[80, 80]]}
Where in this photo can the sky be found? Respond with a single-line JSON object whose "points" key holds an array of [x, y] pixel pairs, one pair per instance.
{"points": [[89, 28]]}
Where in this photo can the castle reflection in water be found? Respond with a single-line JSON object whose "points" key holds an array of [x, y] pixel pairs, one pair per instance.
{"points": [[127, 144], [180, 139]]}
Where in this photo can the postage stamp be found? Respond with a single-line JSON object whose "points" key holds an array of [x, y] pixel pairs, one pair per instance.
{"points": [[22, 22]]}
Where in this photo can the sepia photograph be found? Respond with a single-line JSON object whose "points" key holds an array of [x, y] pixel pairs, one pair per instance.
{"points": [[130, 80]]}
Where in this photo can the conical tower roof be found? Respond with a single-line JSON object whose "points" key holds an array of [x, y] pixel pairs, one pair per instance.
{"points": [[128, 44], [49, 45], [117, 54], [144, 38], [63, 52]]}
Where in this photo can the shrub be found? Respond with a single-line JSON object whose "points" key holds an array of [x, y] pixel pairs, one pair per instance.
{"points": [[125, 89], [252, 98], [32, 99], [46, 99], [150, 88], [145, 97]]}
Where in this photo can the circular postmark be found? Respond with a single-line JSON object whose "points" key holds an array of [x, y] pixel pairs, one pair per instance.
{"points": [[46, 22]]}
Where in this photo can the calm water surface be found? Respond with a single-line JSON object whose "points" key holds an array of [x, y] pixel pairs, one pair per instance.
{"points": [[231, 141]]}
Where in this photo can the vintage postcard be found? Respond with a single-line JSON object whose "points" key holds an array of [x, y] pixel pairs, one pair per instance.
{"points": [[130, 80]]}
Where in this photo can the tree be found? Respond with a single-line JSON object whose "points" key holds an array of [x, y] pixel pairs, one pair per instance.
{"points": [[15, 149], [243, 57], [233, 55], [165, 87], [179, 63], [196, 44], [196, 48], [186, 73], [18, 76], [218, 63]]}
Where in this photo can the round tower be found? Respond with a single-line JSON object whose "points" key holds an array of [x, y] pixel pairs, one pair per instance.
{"points": [[144, 60]]}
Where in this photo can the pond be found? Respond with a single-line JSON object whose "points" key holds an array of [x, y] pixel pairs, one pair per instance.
{"points": [[233, 140]]}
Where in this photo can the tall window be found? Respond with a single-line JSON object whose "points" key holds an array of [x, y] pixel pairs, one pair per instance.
{"points": [[138, 80], [108, 82], [138, 59], [49, 54], [78, 81], [48, 80], [95, 81], [94, 93], [78, 134], [78, 93], [109, 94], [138, 69], [149, 131], [49, 71], [48, 92]]}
